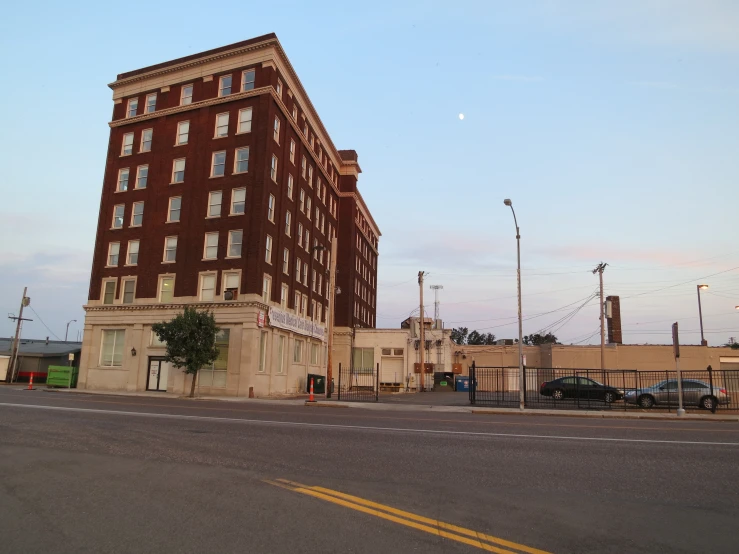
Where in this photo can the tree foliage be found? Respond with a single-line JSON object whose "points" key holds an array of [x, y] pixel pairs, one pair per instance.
{"points": [[536, 339], [462, 335], [191, 341]]}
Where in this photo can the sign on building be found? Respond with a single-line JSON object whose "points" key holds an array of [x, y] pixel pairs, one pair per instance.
{"points": [[292, 322]]}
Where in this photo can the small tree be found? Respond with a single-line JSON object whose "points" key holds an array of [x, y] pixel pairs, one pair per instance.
{"points": [[536, 339], [459, 335], [191, 341]]}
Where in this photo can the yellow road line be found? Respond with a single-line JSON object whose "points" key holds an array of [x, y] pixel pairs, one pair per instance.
{"points": [[425, 524]]}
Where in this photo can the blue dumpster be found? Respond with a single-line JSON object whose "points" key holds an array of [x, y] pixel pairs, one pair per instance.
{"points": [[462, 383]]}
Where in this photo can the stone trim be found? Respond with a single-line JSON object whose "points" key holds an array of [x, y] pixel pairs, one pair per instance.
{"points": [[173, 306]]}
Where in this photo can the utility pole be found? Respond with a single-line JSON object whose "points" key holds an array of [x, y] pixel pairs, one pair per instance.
{"points": [[422, 332], [25, 301], [331, 314], [599, 270]]}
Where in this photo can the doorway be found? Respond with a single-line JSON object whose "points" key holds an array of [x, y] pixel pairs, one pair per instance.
{"points": [[157, 375]]}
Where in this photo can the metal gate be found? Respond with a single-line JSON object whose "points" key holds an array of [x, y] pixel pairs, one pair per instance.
{"points": [[359, 384]]}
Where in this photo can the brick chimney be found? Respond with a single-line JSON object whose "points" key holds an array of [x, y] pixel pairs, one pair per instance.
{"points": [[614, 322]]}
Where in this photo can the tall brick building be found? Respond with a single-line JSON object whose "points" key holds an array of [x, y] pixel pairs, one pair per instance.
{"points": [[223, 190]]}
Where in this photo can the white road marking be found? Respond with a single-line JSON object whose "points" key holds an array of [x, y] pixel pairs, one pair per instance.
{"points": [[357, 427]]}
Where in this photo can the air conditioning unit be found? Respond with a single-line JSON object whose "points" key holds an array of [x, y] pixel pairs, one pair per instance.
{"points": [[230, 294]]}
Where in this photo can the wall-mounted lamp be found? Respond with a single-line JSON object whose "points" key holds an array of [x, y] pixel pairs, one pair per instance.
{"points": [[133, 351]]}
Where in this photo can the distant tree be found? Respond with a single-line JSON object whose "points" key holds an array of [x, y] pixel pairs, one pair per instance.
{"points": [[462, 335], [732, 344], [191, 341], [536, 339], [459, 335]]}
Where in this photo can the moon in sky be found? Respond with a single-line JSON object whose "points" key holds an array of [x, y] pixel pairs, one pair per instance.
{"points": [[461, 116]]}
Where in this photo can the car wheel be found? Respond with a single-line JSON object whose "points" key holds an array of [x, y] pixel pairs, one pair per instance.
{"points": [[609, 397], [646, 401], [558, 394], [708, 403]]}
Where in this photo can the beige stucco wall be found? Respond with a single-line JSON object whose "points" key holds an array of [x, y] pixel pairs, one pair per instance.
{"points": [[242, 371]]}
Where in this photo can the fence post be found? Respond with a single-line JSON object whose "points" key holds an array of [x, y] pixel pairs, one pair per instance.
{"points": [[377, 383], [338, 393], [473, 380], [710, 380]]}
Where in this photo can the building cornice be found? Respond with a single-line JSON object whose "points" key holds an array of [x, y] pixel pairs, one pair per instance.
{"points": [[174, 306], [365, 211]]}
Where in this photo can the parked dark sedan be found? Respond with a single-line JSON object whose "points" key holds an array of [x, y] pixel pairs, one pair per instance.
{"points": [[580, 387]]}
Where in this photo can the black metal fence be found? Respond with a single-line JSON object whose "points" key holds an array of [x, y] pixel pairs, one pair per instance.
{"points": [[595, 389], [359, 384]]}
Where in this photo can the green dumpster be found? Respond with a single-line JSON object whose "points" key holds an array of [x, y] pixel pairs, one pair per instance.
{"points": [[319, 383], [62, 376]]}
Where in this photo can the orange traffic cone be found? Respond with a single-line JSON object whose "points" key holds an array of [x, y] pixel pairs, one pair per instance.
{"points": [[30, 383], [311, 399]]}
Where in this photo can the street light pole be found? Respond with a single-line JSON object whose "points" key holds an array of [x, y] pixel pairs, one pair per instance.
{"points": [[521, 377], [67, 331], [704, 342]]}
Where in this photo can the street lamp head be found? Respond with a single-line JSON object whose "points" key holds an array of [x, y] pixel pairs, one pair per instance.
{"points": [[736, 307], [702, 287], [508, 202]]}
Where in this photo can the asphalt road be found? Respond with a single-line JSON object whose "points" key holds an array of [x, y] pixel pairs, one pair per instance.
{"points": [[84, 473]]}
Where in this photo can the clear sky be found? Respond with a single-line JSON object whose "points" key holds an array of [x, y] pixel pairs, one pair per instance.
{"points": [[611, 125]]}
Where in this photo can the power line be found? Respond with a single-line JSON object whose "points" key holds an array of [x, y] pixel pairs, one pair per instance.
{"points": [[42, 322], [683, 283]]}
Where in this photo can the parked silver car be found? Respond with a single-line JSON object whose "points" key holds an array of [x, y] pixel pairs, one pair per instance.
{"points": [[695, 393]]}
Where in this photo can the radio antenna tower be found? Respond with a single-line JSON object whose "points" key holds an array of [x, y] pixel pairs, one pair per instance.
{"points": [[436, 289]]}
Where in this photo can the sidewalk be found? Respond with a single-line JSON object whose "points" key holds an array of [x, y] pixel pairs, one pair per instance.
{"points": [[301, 400]]}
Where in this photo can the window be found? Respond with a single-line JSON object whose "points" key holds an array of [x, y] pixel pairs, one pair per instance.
{"points": [[108, 292], [129, 287], [210, 246], [118, 216], [305, 129], [244, 121], [288, 221], [132, 255], [183, 132], [214, 375], [318, 217], [142, 175], [273, 169], [123, 180], [151, 102], [295, 112], [114, 248], [224, 85], [207, 287], [300, 234], [303, 165], [305, 275], [290, 187], [363, 358], [218, 165], [266, 288], [281, 354], [127, 148], [137, 214], [247, 80], [178, 171], [323, 224], [313, 281], [307, 207], [307, 239], [302, 200], [221, 125], [175, 206], [133, 107], [268, 250], [284, 295], [276, 130], [235, 239], [186, 95], [319, 312], [166, 289], [310, 176], [170, 249], [320, 284], [314, 354], [146, 136], [304, 304], [111, 352], [286, 261], [156, 342], [262, 351], [292, 151], [298, 351], [230, 286], [238, 201], [297, 268], [271, 208], [241, 160], [279, 88]]}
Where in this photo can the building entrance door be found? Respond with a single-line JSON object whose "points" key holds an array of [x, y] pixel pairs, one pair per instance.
{"points": [[158, 375]]}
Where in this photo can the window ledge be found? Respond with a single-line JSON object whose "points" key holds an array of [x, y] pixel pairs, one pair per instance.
{"points": [[171, 221], [176, 182], [172, 262], [212, 216], [115, 228], [223, 136], [126, 155], [240, 172], [243, 132], [234, 215], [117, 191], [216, 176], [134, 226], [209, 259], [181, 144], [233, 257], [130, 265]]}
